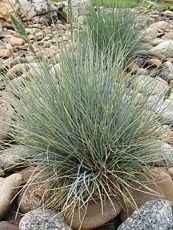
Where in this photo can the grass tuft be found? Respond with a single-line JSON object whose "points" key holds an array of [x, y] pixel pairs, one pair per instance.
{"points": [[115, 29], [91, 132]]}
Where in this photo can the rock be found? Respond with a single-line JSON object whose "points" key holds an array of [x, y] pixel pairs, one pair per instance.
{"points": [[15, 41], [168, 137], [6, 113], [170, 170], [154, 62], [162, 25], [27, 173], [26, 9], [142, 71], [164, 109], [168, 36], [160, 186], [133, 68], [167, 153], [43, 219], [153, 33], [153, 86], [5, 53], [167, 71], [156, 41], [93, 216], [31, 198], [164, 48], [14, 156], [4, 225], [2, 173], [18, 70], [9, 187], [154, 215], [168, 13]]}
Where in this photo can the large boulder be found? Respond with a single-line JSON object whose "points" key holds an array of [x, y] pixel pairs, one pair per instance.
{"points": [[155, 215]]}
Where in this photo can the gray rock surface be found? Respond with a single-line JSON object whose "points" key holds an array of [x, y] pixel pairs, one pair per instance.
{"points": [[43, 219], [152, 86], [163, 108], [11, 157], [167, 71], [164, 48], [154, 215]]}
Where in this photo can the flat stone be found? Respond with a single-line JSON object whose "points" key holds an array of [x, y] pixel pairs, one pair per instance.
{"points": [[94, 216], [153, 215], [43, 219]]}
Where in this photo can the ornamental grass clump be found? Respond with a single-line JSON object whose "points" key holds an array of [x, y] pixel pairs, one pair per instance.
{"points": [[91, 133], [118, 29]]}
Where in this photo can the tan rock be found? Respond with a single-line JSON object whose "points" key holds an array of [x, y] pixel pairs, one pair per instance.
{"points": [[5, 53], [133, 67], [168, 35], [8, 189], [15, 41], [168, 137], [31, 199], [170, 59], [2, 173], [161, 25], [93, 216], [170, 170], [154, 62], [18, 70], [153, 33], [161, 187], [27, 173]]}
